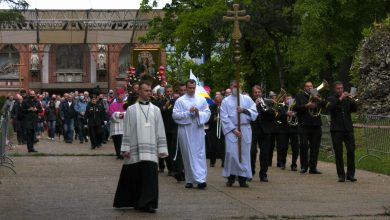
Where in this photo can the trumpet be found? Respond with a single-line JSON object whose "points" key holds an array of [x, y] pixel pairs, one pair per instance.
{"points": [[263, 103], [292, 120], [314, 93]]}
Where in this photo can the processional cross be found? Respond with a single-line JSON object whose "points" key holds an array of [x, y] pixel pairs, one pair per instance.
{"points": [[236, 16]]}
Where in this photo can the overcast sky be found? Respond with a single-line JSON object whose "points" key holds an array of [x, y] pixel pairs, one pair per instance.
{"points": [[85, 4]]}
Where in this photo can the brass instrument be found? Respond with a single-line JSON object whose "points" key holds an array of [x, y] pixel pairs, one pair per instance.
{"points": [[313, 93], [352, 95], [292, 120], [279, 101], [263, 103]]}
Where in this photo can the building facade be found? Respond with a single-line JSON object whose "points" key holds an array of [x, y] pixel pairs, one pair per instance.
{"points": [[66, 50]]}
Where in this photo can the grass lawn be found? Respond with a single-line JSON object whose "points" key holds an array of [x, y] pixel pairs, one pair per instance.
{"points": [[369, 163]]}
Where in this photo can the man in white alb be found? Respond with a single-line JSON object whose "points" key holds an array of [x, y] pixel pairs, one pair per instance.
{"points": [[233, 168], [191, 112]]}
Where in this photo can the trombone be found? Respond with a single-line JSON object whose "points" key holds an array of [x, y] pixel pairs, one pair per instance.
{"points": [[314, 93]]}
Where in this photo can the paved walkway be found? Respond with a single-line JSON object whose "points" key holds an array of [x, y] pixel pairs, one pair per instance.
{"points": [[74, 182]]}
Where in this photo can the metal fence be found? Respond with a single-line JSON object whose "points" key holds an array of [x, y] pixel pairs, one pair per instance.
{"points": [[326, 139], [5, 161], [376, 130]]}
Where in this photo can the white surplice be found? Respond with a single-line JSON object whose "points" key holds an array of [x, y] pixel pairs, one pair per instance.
{"points": [[191, 136], [232, 166]]}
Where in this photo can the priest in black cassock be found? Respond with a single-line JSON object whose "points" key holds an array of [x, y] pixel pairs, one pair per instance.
{"points": [[143, 143], [215, 134]]}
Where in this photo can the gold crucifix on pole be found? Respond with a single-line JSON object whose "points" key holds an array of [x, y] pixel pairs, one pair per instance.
{"points": [[236, 16]]}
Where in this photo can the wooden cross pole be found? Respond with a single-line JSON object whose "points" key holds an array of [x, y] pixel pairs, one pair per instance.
{"points": [[236, 16]]}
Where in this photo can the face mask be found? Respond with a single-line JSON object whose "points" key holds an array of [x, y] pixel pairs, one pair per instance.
{"points": [[234, 91]]}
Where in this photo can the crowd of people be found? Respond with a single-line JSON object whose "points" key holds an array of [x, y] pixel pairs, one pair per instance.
{"points": [[173, 128]]}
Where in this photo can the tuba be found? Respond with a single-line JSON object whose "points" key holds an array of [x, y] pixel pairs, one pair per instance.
{"points": [[292, 120], [314, 92]]}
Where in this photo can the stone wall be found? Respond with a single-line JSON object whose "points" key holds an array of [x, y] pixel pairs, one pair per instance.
{"points": [[374, 71]]}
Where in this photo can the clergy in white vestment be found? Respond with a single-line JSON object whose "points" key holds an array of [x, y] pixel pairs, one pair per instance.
{"points": [[191, 112], [232, 167], [143, 142]]}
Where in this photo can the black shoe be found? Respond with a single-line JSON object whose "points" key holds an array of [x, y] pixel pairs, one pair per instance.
{"points": [[212, 165], [303, 170], [104, 142], [93, 147], [32, 151], [294, 168], [341, 179], [86, 140], [352, 179], [283, 166], [189, 185], [202, 185], [170, 173], [229, 183], [81, 142], [263, 179], [244, 185], [314, 171], [148, 210], [278, 165]]}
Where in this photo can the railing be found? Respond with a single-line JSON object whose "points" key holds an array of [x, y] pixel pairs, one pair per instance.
{"points": [[376, 130], [5, 161], [326, 139]]}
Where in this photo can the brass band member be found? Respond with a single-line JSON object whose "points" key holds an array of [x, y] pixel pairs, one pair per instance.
{"points": [[288, 133], [340, 106], [309, 129], [261, 133], [275, 136]]}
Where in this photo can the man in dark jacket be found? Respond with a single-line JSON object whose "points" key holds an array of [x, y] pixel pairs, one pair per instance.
{"points": [[288, 134], [95, 114], [68, 113], [31, 107], [17, 117], [340, 106], [309, 128]]}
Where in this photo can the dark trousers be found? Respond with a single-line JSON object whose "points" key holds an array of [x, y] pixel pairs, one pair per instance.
{"points": [[51, 128], [171, 151], [30, 136], [137, 186], [349, 140], [310, 138], [117, 143], [21, 132], [217, 149], [95, 135], [232, 179], [263, 140], [285, 138], [177, 159], [274, 141], [81, 130]]}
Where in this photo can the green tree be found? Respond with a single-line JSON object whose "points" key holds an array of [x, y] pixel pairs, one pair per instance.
{"points": [[14, 13], [328, 33]]}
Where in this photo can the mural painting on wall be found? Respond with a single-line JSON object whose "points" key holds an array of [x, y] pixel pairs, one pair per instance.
{"points": [[9, 57], [146, 61], [69, 57]]}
